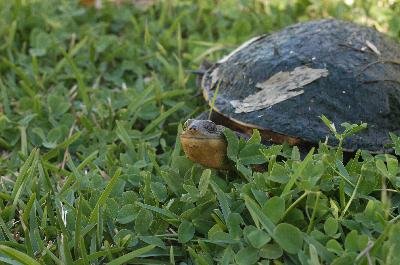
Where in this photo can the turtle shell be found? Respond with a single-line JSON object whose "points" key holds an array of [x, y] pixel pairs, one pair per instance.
{"points": [[347, 72]]}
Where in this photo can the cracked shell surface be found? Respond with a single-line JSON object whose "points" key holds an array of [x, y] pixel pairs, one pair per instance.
{"points": [[362, 85]]}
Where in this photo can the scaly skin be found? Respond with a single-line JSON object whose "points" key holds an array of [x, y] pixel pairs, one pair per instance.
{"points": [[204, 142]]}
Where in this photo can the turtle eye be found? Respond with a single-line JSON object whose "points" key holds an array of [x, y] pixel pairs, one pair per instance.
{"points": [[210, 126], [187, 124]]}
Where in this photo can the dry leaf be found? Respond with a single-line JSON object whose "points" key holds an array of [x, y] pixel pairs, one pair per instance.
{"points": [[279, 87], [372, 47]]}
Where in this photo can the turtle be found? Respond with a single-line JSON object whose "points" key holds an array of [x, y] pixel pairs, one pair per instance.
{"points": [[283, 82]]}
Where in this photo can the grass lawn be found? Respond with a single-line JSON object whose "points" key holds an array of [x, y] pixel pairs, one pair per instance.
{"points": [[92, 171]]}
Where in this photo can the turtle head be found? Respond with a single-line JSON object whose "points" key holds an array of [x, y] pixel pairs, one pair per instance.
{"points": [[204, 142]]}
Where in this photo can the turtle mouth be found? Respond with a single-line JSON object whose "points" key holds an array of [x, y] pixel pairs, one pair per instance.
{"points": [[196, 134], [203, 144]]}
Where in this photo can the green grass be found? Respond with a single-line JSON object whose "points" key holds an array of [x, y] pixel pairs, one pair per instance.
{"points": [[92, 170]]}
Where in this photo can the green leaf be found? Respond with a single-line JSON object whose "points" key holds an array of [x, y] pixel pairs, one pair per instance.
{"points": [[227, 256], [314, 260], [334, 246], [127, 214], [246, 256], [255, 137], [347, 258], [173, 180], [58, 105], [331, 226], [351, 129], [143, 223], [256, 237], [186, 231], [351, 241], [322, 251], [271, 151], [233, 223], [328, 124], [153, 240], [274, 208], [295, 153], [204, 181], [251, 154], [289, 237], [233, 144], [279, 174], [271, 251], [392, 245], [159, 191], [396, 142], [192, 192], [392, 164]]}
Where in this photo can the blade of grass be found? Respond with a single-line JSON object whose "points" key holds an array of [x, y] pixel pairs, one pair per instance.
{"points": [[27, 171], [26, 86], [353, 195], [82, 88], [161, 211], [223, 201], [45, 178], [124, 137], [104, 195], [11, 35], [63, 145], [6, 231], [78, 227], [139, 100], [64, 250], [311, 222], [5, 99], [88, 160], [162, 117], [71, 54], [53, 257], [18, 255], [297, 173], [259, 216], [131, 255], [24, 141], [27, 209], [23, 172]]}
